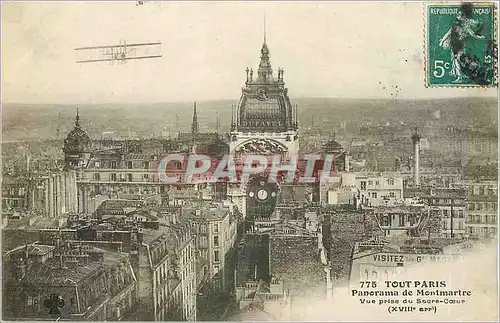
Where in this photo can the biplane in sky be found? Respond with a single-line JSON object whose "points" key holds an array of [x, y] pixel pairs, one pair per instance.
{"points": [[118, 53]]}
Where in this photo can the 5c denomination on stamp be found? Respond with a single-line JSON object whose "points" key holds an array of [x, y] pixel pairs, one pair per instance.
{"points": [[461, 45]]}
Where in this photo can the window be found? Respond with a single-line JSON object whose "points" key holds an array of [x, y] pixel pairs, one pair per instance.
{"points": [[363, 185], [216, 241], [374, 195], [390, 181], [494, 206], [391, 194], [97, 164], [471, 206], [481, 190], [216, 227], [129, 165], [146, 165], [203, 242], [97, 177], [32, 301], [216, 256], [145, 177], [377, 183], [402, 220], [216, 269], [370, 182], [479, 206], [113, 165], [129, 177], [203, 228], [112, 177]]}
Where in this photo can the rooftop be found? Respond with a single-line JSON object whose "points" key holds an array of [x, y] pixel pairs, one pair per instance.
{"points": [[51, 272], [208, 212]]}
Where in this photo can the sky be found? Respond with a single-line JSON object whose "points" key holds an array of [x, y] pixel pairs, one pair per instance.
{"points": [[327, 49]]}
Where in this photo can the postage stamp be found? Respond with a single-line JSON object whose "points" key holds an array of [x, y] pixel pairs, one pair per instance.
{"points": [[461, 44]]}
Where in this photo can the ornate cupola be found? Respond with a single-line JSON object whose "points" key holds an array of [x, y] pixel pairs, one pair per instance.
{"points": [[265, 72], [264, 106], [76, 145]]}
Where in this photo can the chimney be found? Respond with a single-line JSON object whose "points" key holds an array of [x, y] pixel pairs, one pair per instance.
{"points": [[416, 157]]}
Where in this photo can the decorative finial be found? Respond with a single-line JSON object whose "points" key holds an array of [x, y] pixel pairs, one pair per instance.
{"points": [[264, 28]]}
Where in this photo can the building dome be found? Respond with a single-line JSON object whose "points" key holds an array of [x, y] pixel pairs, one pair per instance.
{"points": [[77, 140], [333, 146], [264, 104]]}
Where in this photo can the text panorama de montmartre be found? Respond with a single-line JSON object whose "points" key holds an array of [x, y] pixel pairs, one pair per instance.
{"points": [[419, 292]]}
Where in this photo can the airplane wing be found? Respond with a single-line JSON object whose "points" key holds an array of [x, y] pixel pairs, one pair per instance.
{"points": [[121, 52]]}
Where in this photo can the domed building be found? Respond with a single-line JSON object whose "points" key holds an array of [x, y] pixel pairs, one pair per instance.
{"points": [[76, 146], [264, 123], [264, 113]]}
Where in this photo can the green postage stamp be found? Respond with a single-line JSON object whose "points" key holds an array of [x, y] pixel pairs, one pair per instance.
{"points": [[461, 47]]}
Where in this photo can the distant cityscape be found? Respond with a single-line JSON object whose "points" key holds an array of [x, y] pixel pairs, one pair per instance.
{"points": [[90, 232]]}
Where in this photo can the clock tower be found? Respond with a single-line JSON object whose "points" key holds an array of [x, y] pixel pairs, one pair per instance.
{"points": [[263, 123]]}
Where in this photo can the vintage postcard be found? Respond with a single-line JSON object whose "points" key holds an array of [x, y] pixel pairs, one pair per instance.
{"points": [[249, 161]]}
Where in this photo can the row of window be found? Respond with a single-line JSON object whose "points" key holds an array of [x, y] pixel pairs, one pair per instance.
{"points": [[483, 206], [447, 213], [390, 181], [459, 225], [113, 177], [484, 231], [203, 242], [204, 227], [375, 195], [483, 190], [21, 191], [486, 219], [115, 164], [445, 201]]}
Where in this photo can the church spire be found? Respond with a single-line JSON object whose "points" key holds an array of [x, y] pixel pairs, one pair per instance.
{"points": [[194, 125], [77, 120]]}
